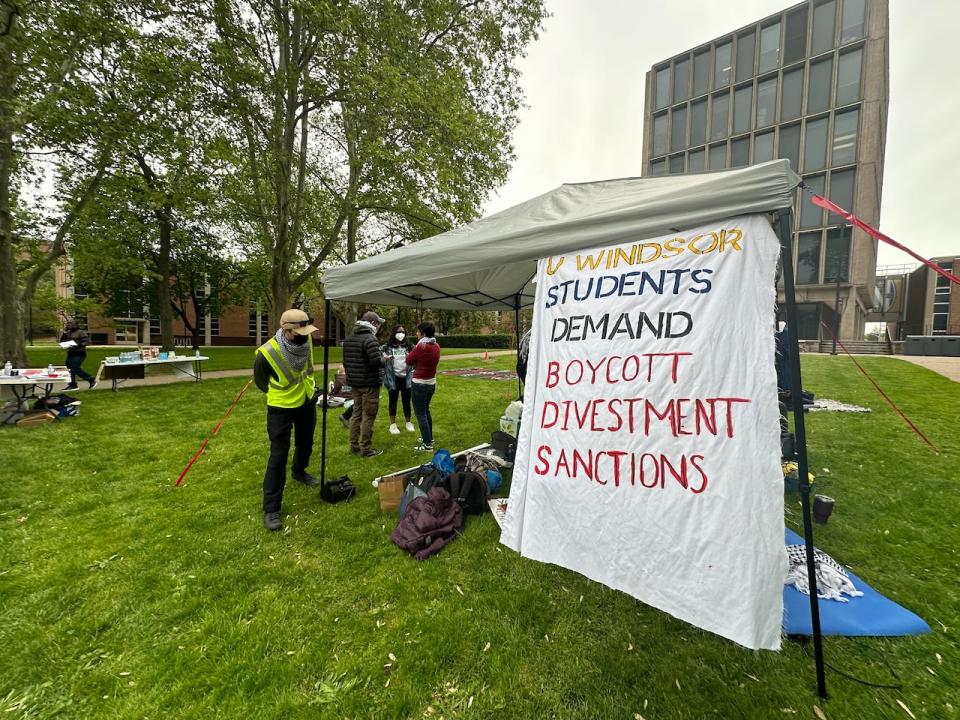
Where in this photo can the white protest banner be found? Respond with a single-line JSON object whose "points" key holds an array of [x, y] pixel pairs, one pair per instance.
{"points": [[649, 454]]}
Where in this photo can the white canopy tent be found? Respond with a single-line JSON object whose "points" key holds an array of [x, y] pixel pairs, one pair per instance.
{"points": [[488, 264]]}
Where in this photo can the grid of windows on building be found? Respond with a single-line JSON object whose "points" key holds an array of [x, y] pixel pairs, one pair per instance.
{"points": [[264, 323], [787, 87], [154, 324], [214, 325], [941, 300]]}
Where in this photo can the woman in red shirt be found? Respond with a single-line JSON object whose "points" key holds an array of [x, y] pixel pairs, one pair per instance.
{"points": [[424, 357]]}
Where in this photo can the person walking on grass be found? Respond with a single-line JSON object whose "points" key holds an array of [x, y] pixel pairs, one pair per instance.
{"points": [[76, 354], [283, 369], [364, 364], [397, 376], [424, 357]]}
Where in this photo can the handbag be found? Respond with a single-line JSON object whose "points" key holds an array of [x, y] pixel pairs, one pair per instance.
{"points": [[337, 491]]}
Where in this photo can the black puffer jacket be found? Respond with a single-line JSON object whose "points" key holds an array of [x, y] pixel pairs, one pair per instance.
{"points": [[362, 359]]}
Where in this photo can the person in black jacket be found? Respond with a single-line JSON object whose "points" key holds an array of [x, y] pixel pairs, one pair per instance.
{"points": [[364, 364], [76, 354]]}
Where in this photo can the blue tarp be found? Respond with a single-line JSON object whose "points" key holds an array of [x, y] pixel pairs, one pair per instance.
{"points": [[870, 615]]}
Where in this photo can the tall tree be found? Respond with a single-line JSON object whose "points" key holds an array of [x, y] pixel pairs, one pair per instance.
{"points": [[49, 108], [365, 125]]}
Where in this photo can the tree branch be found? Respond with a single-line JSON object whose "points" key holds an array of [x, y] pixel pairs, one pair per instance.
{"points": [[453, 22]]}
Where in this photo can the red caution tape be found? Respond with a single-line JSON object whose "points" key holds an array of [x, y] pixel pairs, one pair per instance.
{"points": [[885, 396], [821, 201], [203, 445]]}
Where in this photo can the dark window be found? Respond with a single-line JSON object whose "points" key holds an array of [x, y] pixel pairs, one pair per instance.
{"points": [[845, 128], [808, 258], [718, 156], [264, 323], [718, 116], [696, 160], [789, 146], [701, 73], [851, 28], [681, 79], [791, 95], [821, 81], [740, 152], [824, 18], [155, 325], [746, 48], [658, 167], [808, 321], [663, 88], [766, 102], [769, 47], [676, 164], [678, 127], [811, 215], [698, 122], [742, 104], [214, 326], [763, 148], [841, 193], [795, 39], [660, 134], [837, 257], [815, 145], [848, 77], [940, 324], [721, 73]]}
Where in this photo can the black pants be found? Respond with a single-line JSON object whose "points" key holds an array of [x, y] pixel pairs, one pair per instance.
{"points": [[402, 390], [74, 361], [280, 421]]}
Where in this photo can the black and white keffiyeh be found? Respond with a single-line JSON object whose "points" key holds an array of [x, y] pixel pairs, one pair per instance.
{"points": [[295, 355], [832, 580]]}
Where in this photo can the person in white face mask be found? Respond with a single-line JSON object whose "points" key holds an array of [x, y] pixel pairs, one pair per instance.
{"points": [[397, 376]]}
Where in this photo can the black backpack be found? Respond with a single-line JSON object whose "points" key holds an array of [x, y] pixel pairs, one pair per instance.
{"points": [[430, 477], [469, 489]]}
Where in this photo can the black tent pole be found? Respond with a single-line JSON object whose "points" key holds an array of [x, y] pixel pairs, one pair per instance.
{"points": [[796, 392], [326, 365], [516, 323]]}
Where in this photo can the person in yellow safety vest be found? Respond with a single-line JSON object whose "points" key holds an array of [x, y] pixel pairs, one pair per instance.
{"points": [[283, 369]]}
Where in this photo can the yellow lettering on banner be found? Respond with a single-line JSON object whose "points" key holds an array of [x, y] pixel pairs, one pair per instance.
{"points": [[590, 261], [551, 268], [672, 248], [733, 238], [692, 245], [656, 252]]}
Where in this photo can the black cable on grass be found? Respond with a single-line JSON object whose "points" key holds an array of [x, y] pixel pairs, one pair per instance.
{"points": [[802, 641]]}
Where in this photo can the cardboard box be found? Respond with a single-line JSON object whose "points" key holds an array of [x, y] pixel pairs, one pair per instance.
{"points": [[39, 417], [391, 489]]}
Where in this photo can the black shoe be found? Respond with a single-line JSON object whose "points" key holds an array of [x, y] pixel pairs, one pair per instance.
{"points": [[94, 383], [371, 453], [271, 521], [306, 478], [355, 451], [72, 386]]}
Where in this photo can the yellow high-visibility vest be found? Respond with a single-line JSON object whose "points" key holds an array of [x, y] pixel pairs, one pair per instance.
{"points": [[290, 389]]}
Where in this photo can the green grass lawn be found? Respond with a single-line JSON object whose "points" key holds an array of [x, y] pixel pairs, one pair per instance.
{"points": [[221, 357], [122, 596]]}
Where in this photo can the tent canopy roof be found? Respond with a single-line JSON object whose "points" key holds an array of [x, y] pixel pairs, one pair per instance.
{"points": [[489, 264]]}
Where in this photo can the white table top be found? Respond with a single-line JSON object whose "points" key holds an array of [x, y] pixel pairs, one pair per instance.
{"points": [[168, 361], [38, 378]]}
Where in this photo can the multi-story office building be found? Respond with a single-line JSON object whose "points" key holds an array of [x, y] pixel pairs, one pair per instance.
{"points": [[933, 304], [808, 84]]}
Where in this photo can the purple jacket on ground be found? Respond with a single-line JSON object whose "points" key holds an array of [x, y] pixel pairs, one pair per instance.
{"points": [[428, 524]]}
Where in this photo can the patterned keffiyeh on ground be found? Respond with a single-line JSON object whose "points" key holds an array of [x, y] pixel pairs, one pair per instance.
{"points": [[826, 405], [832, 580]]}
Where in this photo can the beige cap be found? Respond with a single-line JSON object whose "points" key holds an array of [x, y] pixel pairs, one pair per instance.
{"points": [[297, 321]]}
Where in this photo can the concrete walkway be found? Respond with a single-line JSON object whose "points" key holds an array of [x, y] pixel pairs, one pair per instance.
{"points": [[949, 367], [248, 372]]}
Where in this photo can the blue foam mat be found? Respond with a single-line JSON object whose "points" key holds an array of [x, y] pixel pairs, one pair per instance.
{"points": [[870, 615]]}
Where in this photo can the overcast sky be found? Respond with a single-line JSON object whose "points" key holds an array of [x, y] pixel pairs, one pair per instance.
{"points": [[584, 85]]}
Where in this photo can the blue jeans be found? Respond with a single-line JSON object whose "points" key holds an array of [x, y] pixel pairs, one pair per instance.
{"points": [[421, 395]]}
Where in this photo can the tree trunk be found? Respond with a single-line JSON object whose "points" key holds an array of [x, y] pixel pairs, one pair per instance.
{"points": [[12, 346], [163, 282]]}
